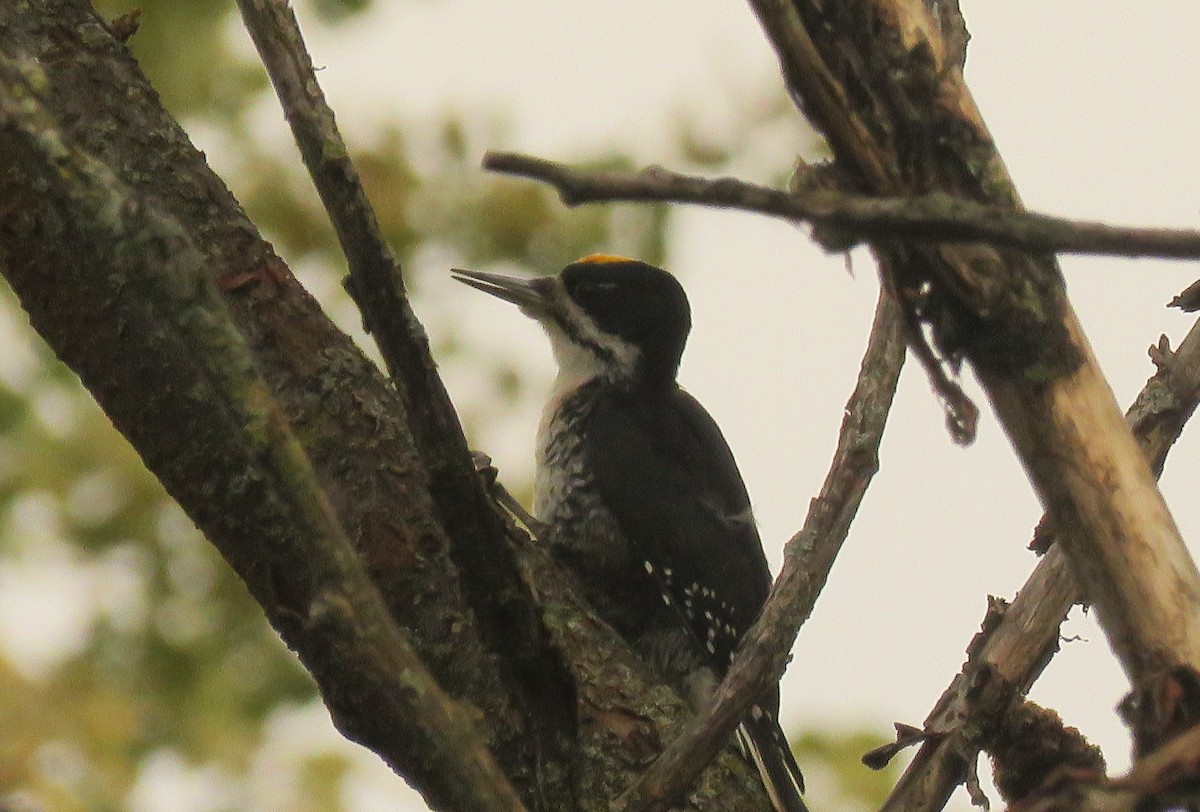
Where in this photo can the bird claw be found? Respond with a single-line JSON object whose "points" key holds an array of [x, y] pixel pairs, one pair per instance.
{"points": [[485, 468], [490, 474]]}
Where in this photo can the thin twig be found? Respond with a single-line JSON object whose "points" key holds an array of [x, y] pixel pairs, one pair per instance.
{"points": [[336, 595], [1010, 656], [1002, 664], [375, 280], [808, 558], [934, 217]]}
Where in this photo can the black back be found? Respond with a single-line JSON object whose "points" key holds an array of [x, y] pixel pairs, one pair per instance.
{"points": [[675, 490]]}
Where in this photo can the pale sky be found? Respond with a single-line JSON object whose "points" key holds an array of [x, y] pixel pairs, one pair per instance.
{"points": [[1093, 105]]}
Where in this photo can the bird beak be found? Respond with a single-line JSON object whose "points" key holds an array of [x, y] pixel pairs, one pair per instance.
{"points": [[531, 295]]}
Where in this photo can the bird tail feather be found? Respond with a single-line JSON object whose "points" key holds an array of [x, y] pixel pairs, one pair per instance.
{"points": [[763, 742]]}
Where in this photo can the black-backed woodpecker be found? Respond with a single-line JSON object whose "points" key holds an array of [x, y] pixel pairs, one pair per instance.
{"points": [[639, 491]]}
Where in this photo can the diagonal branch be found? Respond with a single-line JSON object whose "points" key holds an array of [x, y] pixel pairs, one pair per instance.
{"points": [[1016, 643], [358, 654], [502, 604], [374, 271], [376, 283], [874, 77], [808, 558], [850, 218], [1007, 658]]}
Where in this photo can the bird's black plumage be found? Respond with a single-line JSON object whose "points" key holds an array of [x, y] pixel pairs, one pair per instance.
{"points": [[640, 491], [676, 456]]}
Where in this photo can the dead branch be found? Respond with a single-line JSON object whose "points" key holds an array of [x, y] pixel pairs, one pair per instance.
{"points": [[847, 219], [1009, 657], [1004, 311]]}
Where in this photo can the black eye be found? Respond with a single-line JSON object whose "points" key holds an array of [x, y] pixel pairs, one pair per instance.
{"points": [[594, 290], [600, 288]]}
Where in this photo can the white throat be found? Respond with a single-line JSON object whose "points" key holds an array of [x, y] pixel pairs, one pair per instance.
{"points": [[591, 353]]}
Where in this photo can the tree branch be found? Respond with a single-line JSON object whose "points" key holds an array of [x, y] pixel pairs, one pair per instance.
{"points": [[349, 419], [1010, 654], [502, 603], [362, 650], [808, 558], [375, 279], [1016, 643], [865, 73], [848, 219], [376, 283]]}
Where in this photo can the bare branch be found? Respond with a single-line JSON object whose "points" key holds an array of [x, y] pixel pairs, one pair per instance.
{"points": [[332, 596], [864, 73], [847, 219], [1010, 654], [1003, 662], [808, 558], [377, 286]]}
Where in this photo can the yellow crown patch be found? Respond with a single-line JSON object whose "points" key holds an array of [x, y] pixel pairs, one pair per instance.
{"points": [[599, 259]]}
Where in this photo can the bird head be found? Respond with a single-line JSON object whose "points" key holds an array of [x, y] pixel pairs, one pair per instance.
{"points": [[617, 318]]}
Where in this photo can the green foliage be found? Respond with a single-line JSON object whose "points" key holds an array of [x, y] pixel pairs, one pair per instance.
{"points": [[835, 774], [483, 218], [184, 46], [168, 651], [334, 11]]}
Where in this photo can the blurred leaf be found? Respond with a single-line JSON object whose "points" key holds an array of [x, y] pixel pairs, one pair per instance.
{"points": [[832, 763], [321, 781], [182, 46], [336, 11]]}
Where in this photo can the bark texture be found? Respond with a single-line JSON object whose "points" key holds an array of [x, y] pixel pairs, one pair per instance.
{"points": [[569, 715], [349, 504], [878, 79]]}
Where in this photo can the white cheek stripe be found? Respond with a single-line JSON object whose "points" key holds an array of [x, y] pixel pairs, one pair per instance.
{"points": [[578, 362]]}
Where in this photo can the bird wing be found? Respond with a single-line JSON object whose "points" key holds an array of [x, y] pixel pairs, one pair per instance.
{"points": [[675, 489]]}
